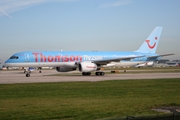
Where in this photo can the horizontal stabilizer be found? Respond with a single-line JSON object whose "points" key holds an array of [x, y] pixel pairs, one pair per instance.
{"points": [[160, 55]]}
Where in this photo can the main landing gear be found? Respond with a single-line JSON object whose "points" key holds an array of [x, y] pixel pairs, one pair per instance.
{"points": [[86, 73], [97, 73]]}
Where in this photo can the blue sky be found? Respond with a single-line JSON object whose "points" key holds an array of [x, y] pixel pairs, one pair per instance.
{"points": [[86, 25]]}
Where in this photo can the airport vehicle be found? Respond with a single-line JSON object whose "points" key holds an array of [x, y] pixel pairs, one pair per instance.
{"points": [[87, 62]]}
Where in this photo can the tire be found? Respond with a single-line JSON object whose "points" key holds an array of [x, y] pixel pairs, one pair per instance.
{"points": [[83, 73], [86, 73], [27, 75], [97, 73], [102, 73]]}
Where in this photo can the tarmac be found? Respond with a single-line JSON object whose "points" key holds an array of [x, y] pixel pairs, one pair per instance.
{"points": [[14, 77]]}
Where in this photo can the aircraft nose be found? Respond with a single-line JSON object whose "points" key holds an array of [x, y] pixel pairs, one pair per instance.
{"points": [[7, 62]]}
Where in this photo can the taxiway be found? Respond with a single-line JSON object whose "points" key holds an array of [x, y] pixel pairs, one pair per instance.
{"points": [[13, 77]]}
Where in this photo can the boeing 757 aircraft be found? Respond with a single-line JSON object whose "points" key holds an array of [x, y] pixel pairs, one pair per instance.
{"points": [[87, 62]]}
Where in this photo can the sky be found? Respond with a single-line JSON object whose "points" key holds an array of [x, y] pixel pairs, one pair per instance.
{"points": [[87, 25]]}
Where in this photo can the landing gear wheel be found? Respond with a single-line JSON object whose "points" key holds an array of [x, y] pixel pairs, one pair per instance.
{"points": [[97, 73], [86, 73], [100, 73], [27, 75], [83, 73]]}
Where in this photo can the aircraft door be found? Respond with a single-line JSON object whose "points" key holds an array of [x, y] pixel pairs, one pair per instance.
{"points": [[26, 57]]}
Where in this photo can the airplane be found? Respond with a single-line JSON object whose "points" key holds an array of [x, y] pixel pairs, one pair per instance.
{"points": [[87, 62], [147, 64]]}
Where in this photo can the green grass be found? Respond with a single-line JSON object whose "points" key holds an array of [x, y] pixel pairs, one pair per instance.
{"points": [[87, 100]]}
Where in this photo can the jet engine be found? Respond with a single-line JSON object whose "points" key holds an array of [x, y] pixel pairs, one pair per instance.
{"points": [[87, 67]]}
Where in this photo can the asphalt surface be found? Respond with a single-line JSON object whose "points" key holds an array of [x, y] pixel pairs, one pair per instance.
{"points": [[13, 77]]}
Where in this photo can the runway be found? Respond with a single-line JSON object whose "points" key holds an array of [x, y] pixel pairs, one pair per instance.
{"points": [[13, 77]]}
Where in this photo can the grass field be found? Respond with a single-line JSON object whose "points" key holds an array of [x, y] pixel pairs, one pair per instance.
{"points": [[87, 100]]}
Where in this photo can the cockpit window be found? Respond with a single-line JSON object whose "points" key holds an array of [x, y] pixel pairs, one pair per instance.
{"points": [[14, 57]]}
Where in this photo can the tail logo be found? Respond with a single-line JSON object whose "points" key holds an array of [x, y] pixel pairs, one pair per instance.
{"points": [[151, 46]]}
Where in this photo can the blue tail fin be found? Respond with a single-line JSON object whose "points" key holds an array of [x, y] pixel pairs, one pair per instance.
{"points": [[151, 43]]}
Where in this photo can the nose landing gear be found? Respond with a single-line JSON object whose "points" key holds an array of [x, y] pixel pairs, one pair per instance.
{"points": [[27, 74]]}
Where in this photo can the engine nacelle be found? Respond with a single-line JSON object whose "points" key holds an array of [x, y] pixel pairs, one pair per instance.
{"points": [[87, 67], [65, 69]]}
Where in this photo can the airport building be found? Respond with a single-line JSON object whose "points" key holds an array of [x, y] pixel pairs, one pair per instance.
{"points": [[163, 61], [168, 63], [173, 64]]}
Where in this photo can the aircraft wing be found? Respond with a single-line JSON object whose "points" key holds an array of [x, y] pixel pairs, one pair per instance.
{"points": [[104, 62]]}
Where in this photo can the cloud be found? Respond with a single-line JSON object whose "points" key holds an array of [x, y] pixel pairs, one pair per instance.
{"points": [[10, 6], [116, 4]]}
